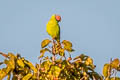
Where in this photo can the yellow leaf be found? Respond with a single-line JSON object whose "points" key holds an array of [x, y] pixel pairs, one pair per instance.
{"points": [[11, 62], [64, 63], [12, 59], [6, 61], [55, 70], [96, 76], [9, 75], [43, 51], [20, 63], [58, 61], [115, 78], [2, 73], [27, 77], [115, 63], [46, 58], [82, 57], [68, 48], [30, 65], [89, 61], [14, 77], [61, 52], [45, 42], [106, 69], [46, 65], [67, 43]]}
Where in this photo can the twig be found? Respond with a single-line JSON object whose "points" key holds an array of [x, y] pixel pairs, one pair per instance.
{"points": [[115, 74], [3, 54], [53, 50], [109, 69], [82, 78], [38, 73]]}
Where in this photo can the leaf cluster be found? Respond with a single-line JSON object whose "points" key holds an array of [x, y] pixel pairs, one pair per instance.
{"points": [[56, 66], [111, 69], [17, 66]]}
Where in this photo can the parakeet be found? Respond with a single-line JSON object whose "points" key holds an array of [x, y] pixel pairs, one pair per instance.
{"points": [[53, 28]]}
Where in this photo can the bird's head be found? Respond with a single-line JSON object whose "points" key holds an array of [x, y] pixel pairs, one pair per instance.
{"points": [[58, 17]]}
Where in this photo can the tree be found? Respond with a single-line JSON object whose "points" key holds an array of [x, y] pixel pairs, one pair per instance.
{"points": [[58, 66]]}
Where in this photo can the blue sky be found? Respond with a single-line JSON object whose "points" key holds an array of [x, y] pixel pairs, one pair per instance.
{"points": [[93, 26]]}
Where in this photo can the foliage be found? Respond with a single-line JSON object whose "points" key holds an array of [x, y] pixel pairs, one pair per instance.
{"points": [[111, 69], [58, 66]]}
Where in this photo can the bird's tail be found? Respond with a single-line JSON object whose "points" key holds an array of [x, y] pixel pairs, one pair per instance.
{"points": [[58, 39]]}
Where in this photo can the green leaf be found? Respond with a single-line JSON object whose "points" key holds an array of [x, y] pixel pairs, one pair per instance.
{"points": [[45, 42], [27, 77], [20, 63], [106, 69], [30, 65], [115, 63]]}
